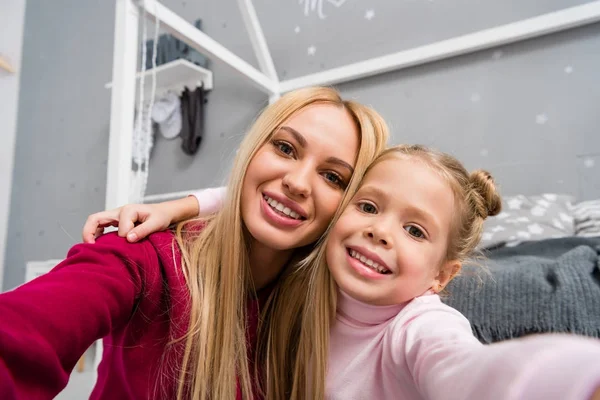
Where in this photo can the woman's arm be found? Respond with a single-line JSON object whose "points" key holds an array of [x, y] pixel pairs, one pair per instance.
{"points": [[447, 362], [48, 323], [153, 217]]}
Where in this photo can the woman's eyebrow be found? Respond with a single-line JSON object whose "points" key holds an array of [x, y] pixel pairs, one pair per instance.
{"points": [[299, 138], [303, 143], [341, 163]]}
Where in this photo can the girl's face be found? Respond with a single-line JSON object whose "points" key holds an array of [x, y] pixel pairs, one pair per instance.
{"points": [[390, 243], [296, 180]]}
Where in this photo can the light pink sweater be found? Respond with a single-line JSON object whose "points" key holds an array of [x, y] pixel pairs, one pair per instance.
{"points": [[426, 350]]}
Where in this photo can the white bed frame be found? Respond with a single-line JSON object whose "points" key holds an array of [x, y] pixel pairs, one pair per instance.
{"points": [[126, 49]]}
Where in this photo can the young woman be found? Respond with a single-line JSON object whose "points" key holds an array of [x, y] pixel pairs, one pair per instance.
{"points": [[180, 312]]}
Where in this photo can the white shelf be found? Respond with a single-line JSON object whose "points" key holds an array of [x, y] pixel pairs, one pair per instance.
{"points": [[174, 76]]}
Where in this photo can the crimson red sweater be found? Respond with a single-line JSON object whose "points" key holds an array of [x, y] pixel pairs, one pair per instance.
{"points": [[132, 295]]}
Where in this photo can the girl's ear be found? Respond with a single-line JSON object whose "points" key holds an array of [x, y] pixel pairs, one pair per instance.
{"points": [[447, 272]]}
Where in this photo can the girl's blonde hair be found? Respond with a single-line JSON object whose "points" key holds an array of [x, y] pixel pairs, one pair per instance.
{"points": [[476, 198], [475, 194], [293, 342]]}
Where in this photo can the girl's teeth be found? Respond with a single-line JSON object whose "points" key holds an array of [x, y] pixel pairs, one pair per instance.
{"points": [[368, 262], [279, 207]]}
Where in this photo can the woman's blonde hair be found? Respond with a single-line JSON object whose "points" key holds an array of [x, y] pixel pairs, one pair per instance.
{"points": [[293, 350]]}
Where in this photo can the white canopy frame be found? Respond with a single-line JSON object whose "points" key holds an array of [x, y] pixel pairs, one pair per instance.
{"points": [[126, 49]]}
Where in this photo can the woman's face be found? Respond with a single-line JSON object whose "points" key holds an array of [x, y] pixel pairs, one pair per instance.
{"points": [[296, 180]]}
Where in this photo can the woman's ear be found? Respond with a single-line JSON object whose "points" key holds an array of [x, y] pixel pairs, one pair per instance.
{"points": [[447, 272]]}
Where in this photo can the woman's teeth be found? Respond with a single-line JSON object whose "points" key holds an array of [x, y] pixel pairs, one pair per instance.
{"points": [[275, 205], [368, 262]]}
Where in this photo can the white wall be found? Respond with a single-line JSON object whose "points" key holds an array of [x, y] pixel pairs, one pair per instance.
{"points": [[12, 19]]}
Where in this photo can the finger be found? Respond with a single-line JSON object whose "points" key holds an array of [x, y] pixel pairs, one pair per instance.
{"points": [[104, 218], [144, 229], [91, 223], [88, 237], [127, 221]]}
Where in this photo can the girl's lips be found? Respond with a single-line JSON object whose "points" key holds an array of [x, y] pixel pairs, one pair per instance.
{"points": [[371, 255], [362, 269]]}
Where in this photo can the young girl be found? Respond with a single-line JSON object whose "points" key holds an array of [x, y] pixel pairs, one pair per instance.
{"points": [[180, 313], [417, 216]]}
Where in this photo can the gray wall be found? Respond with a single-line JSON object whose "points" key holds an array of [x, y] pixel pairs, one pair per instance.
{"points": [[526, 111], [12, 19], [533, 125], [62, 127]]}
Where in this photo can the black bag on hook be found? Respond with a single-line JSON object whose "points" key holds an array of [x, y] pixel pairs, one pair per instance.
{"points": [[192, 113]]}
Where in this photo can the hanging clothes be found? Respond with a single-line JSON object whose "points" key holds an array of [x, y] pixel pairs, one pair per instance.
{"points": [[192, 113], [166, 112], [170, 49]]}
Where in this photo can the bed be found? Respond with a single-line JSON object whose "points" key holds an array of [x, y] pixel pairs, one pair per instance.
{"points": [[548, 283]]}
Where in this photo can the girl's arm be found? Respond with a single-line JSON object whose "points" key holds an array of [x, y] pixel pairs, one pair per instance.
{"points": [[48, 323], [153, 217], [447, 362]]}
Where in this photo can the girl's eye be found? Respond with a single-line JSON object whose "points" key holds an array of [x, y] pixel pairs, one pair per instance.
{"points": [[414, 231], [367, 208], [335, 179], [284, 147]]}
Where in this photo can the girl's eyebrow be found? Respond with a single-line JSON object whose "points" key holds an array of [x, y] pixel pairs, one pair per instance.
{"points": [[424, 215], [421, 213], [374, 190]]}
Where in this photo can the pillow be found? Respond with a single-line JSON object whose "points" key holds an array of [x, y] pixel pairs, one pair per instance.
{"points": [[525, 218], [587, 218]]}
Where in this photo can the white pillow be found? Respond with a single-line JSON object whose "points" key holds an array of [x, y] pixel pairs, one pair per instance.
{"points": [[587, 218], [526, 218]]}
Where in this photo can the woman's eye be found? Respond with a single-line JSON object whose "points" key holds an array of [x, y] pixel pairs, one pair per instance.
{"points": [[285, 148], [334, 179], [367, 208], [414, 231]]}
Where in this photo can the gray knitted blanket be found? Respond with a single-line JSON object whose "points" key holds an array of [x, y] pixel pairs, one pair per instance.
{"points": [[545, 286]]}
